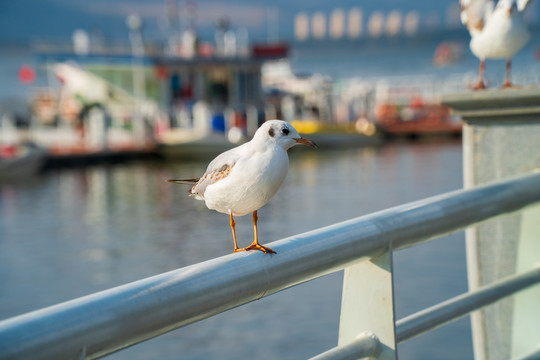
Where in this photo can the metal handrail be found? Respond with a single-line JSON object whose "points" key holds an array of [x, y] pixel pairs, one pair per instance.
{"points": [[452, 309], [104, 322], [367, 344]]}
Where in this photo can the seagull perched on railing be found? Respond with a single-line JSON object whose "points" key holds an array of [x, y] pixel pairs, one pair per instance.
{"points": [[242, 180], [497, 32]]}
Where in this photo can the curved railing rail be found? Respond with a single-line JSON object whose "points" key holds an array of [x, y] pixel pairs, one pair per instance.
{"points": [[105, 322]]}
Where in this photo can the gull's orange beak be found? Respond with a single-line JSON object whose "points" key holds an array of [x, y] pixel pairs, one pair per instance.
{"points": [[307, 142]]}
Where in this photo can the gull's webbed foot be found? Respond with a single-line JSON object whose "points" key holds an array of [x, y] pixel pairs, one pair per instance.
{"points": [[258, 247]]}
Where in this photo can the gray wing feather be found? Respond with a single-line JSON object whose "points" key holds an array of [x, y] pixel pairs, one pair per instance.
{"points": [[217, 170]]}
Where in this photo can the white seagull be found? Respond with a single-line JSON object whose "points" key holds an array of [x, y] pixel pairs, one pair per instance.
{"points": [[242, 180], [497, 32]]}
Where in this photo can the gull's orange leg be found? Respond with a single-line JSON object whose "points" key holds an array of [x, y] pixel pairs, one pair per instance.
{"points": [[481, 84], [255, 245], [507, 81], [233, 224]]}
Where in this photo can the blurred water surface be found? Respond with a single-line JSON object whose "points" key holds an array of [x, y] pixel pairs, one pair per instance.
{"points": [[71, 232]]}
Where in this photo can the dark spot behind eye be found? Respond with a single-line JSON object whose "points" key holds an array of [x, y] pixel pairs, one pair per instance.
{"points": [[271, 132], [285, 131]]}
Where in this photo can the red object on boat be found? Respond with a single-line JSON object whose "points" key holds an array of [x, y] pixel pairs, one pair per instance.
{"points": [[274, 50], [7, 151], [206, 50], [27, 75], [161, 72]]}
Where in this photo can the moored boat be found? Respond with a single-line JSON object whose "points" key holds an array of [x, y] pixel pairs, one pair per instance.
{"points": [[19, 162]]}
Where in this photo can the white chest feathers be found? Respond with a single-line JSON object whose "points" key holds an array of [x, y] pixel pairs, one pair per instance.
{"points": [[250, 184]]}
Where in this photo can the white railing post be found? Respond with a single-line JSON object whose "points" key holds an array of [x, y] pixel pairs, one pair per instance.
{"points": [[368, 303]]}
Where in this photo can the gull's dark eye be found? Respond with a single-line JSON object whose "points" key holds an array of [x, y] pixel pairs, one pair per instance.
{"points": [[285, 131]]}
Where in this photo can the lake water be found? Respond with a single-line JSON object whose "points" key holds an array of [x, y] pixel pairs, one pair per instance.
{"points": [[72, 232]]}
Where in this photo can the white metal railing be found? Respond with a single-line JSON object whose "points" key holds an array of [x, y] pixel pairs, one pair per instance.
{"points": [[104, 322], [367, 344], [438, 315]]}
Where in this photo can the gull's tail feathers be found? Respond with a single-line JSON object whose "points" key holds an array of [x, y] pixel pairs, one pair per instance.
{"points": [[184, 181]]}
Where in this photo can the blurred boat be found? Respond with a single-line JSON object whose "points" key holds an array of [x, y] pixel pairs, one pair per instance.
{"points": [[410, 112], [163, 95], [335, 135], [175, 108], [327, 114], [416, 119], [19, 162]]}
